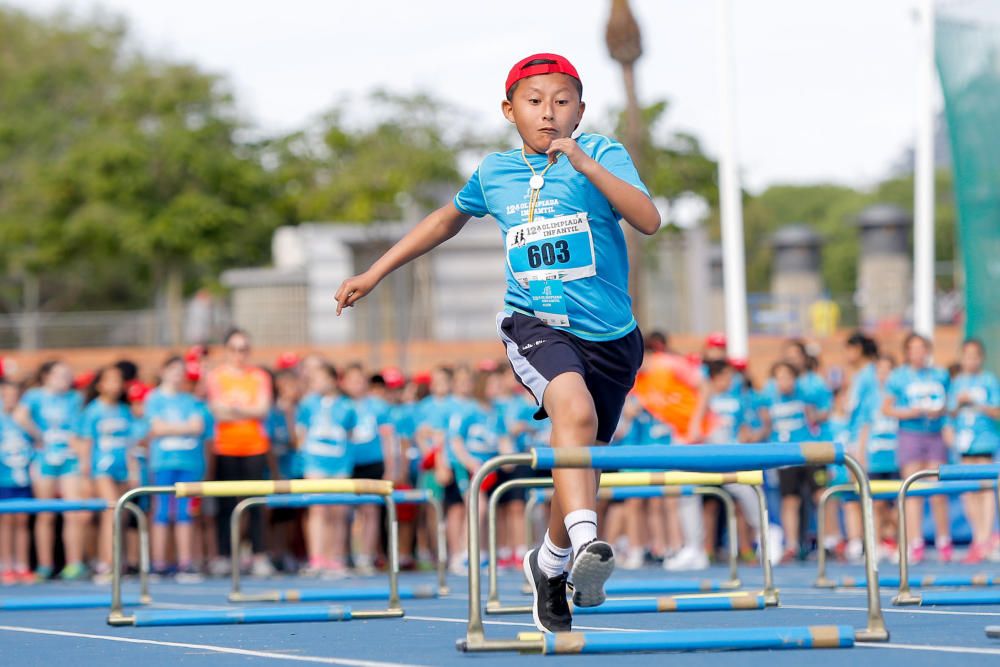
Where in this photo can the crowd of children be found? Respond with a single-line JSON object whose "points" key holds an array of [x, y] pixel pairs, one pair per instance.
{"points": [[96, 435]]}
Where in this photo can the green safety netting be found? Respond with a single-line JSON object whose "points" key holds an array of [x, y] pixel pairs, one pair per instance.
{"points": [[968, 62]]}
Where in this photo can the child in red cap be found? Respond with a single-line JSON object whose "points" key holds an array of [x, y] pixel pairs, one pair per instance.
{"points": [[567, 321]]}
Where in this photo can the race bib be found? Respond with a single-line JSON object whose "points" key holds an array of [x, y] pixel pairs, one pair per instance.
{"points": [[560, 248]]}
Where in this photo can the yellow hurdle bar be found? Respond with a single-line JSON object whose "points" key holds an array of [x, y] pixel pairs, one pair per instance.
{"points": [[679, 478], [268, 487]]}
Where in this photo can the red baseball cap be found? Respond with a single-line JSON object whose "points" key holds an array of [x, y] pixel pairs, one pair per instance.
{"points": [[287, 360], [423, 377], [394, 378], [137, 391], [739, 363], [557, 65], [716, 339]]}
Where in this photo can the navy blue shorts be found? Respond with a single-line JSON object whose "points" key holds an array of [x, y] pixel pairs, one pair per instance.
{"points": [[538, 353]]}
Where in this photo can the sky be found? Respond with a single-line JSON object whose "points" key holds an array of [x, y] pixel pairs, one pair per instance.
{"points": [[824, 91]]}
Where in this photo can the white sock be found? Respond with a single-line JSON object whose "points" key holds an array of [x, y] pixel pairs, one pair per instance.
{"points": [[582, 527], [552, 560]]}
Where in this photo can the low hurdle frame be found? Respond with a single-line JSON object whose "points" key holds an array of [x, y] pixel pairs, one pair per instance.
{"points": [[117, 616], [704, 458], [947, 473], [889, 490], [644, 484], [42, 506], [407, 497]]}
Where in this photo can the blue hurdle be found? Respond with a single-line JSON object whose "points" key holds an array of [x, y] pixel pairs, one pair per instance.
{"points": [[244, 488], [986, 474], [618, 486], [296, 614], [704, 458], [889, 490], [58, 505], [300, 500], [62, 602], [672, 603], [570, 643]]}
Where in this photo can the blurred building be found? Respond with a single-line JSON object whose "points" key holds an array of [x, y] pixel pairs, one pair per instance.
{"points": [[453, 293], [885, 265]]}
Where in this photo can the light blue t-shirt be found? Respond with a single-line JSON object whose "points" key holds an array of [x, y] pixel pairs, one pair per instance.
{"points": [[882, 432], [56, 416], [919, 388], [279, 432], [520, 417], [15, 454], [109, 429], [976, 433], [863, 384], [328, 422], [366, 441], [730, 412], [176, 452], [480, 429], [788, 415], [435, 412], [575, 237]]}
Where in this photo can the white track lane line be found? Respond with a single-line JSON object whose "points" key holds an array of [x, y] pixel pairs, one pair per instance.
{"points": [[939, 649], [347, 662], [912, 610]]}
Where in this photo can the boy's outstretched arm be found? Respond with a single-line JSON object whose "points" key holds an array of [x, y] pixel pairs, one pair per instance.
{"points": [[630, 202], [428, 234]]}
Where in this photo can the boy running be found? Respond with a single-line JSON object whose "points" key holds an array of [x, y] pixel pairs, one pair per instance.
{"points": [[567, 323]]}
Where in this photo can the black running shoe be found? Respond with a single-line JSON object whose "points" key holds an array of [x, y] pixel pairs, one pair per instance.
{"points": [[550, 608], [594, 563]]}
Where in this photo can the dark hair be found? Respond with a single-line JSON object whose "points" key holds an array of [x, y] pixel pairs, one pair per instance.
{"points": [[544, 61], [377, 380], [784, 364], [233, 331], [45, 369], [93, 390], [975, 342], [656, 338], [447, 370], [811, 363], [912, 336], [330, 370], [172, 359], [128, 369], [717, 367], [869, 348], [353, 367]]}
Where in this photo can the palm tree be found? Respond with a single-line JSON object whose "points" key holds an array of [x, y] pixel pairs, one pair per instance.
{"points": [[625, 46]]}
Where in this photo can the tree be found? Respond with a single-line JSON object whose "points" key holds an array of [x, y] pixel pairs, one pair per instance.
{"points": [[349, 172], [127, 170]]}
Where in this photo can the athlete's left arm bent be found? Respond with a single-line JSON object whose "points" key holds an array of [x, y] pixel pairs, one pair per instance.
{"points": [[632, 204]]}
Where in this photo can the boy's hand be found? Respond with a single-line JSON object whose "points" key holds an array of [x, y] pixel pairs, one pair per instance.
{"points": [[353, 289], [568, 147]]}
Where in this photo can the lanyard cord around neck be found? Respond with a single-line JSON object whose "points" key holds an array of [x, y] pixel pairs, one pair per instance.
{"points": [[535, 191]]}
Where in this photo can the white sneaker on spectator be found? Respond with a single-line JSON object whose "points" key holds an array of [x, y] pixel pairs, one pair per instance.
{"points": [[635, 559], [262, 567], [687, 559], [219, 567], [364, 566]]}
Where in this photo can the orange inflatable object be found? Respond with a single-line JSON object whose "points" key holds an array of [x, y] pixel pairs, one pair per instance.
{"points": [[667, 386]]}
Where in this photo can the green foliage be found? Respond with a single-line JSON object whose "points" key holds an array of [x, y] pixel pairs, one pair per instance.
{"points": [[111, 160], [339, 171], [832, 211]]}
